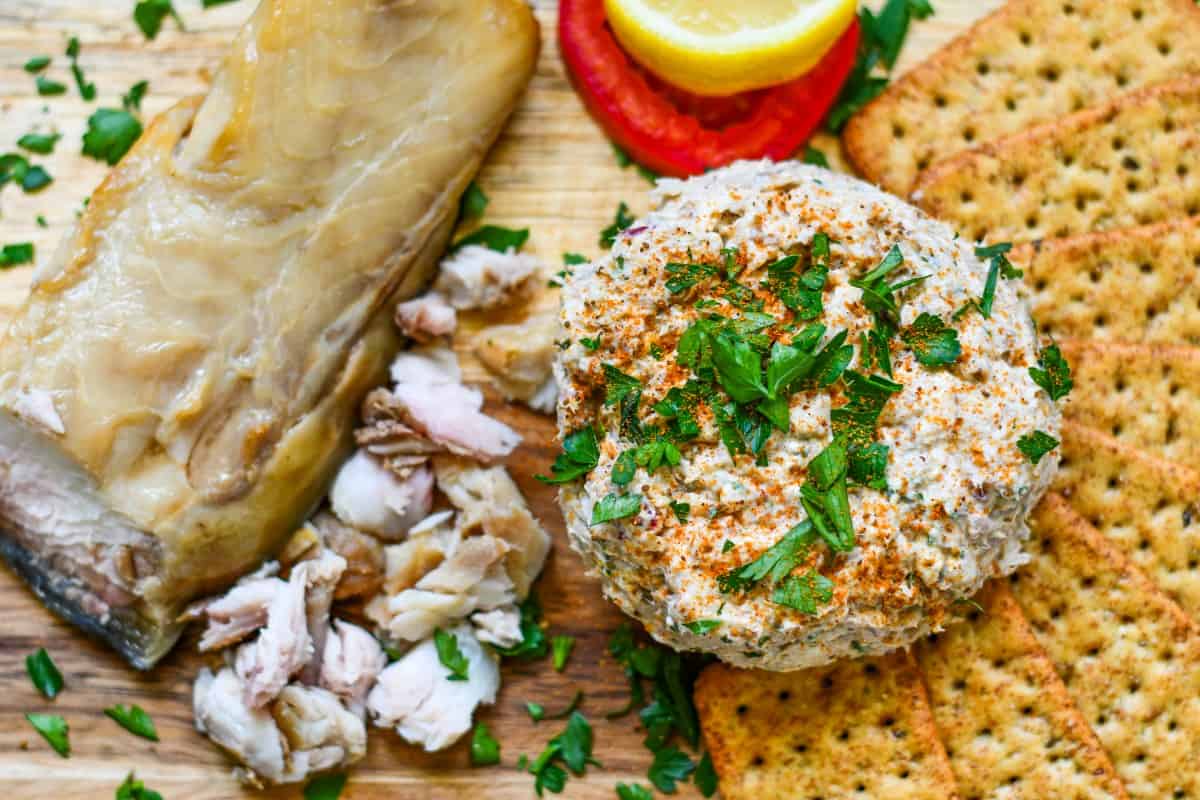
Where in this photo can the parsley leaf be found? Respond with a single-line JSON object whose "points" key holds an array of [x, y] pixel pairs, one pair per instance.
{"points": [[868, 465], [580, 455], [681, 510], [133, 719], [54, 730], [868, 394], [575, 743], [815, 157], [775, 563], [831, 362], [149, 16], [624, 468], [110, 134], [932, 342], [621, 221], [669, 766], [803, 293], [702, 626], [618, 385], [86, 90], [37, 64], [739, 368], [633, 792], [561, 646], [705, 776], [890, 28], [473, 202], [494, 237], [325, 787], [133, 789], [804, 592], [1035, 445], [589, 343], [44, 674], [686, 276], [533, 638], [825, 498], [132, 100], [12, 255], [49, 88], [999, 265], [450, 656], [41, 143], [1052, 373], [616, 506], [485, 750], [573, 259]]}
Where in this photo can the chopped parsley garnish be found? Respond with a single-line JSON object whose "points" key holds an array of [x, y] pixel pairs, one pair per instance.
{"points": [[450, 656], [561, 647], [727, 546], [825, 497], [473, 202], [37, 64], [624, 468], [739, 368], [533, 639], [86, 90], [815, 157], [804, 593], [580, 455], [702, 626], [1052, 373], [54, 730], [616, 506], [857, 419], [12, 255], [1036, 445], [685, 276], [132, 100], [572, 747], [133, 789], [776, 562], [589, 343], [44, 674], [868, 465], [41, 143], [133, 719], [485, 750], [681, 510], [49, 88], [618, 385], [15, 167], [633, 791], [110, 134], [670, 765], [622, 220], [932, 342], [574, 259], [998, 267], [537, 712], [705, 776], [149, 16], [495, 237]]}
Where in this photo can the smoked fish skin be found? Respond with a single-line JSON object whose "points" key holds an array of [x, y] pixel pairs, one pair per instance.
{"points": [[182, 382]]}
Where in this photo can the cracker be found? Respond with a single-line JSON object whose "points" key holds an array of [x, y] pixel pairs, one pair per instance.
{"points": [[1141, 284], [1146, 395], [1147, 506], [1128, 655], [1009, 726], [1131, 161], [1029, 62], [859, 728]]}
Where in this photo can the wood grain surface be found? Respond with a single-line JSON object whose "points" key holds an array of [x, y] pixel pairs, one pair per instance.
{"points": [[553, 171]]}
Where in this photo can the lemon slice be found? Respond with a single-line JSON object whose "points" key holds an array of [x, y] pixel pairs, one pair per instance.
{"points": [[720, 47]]}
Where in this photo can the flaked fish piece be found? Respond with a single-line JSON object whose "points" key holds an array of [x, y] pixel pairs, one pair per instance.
{"points": [[248, 734], [413, 695], [451, 415], [478, 277], [321, 576], [426, 365], [238, 613], [283, 647], [363, 575], [368, 497], [500, 626], [426, 318], [351, 662], [521, 357], [209, 330], [491, 503], [320, 732]]}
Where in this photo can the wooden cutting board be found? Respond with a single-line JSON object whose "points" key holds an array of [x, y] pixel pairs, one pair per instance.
{"points": [[553, 171]]}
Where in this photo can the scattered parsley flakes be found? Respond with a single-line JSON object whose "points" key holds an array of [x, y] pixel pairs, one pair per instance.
{"points": [[110, 134], [37, 64], [485, 750], [670, 765], [561, 647], [537, 712], [868, 394], [815, 157], [149, 16], [533, 638], [133, 789], [705, 776], [998, 266], [681, 510], [35, 179], [40, 143], [825, 497], [12, 255], [54, 730], [1036, 445], [133, 719], [804, 592], [132, 100], [932, 342], [868, 465], [686, 276], [633, 791], [616, 506], [775, 563], [727, 546], [44, 673], [581, 454], [622, 220], [495, 237], [450, 656], [325, 787], [473, 202], [702, 626], [572, 747], [739, 368], [590, 343], [49, 88], [86, 90], [1052, 373], [573, 259]]}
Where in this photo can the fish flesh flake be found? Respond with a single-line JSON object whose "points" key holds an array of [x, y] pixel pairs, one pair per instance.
{"points": [[181, 384]]}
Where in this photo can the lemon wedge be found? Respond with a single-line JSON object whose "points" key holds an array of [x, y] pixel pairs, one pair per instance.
{"points": [[721, 47]]}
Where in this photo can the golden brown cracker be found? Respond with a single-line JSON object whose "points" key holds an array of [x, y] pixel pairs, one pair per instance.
{"points": [[1128, 655], [1009, 726], [1133, 160], [1029, 62], [859, 728], [1140, 284]]}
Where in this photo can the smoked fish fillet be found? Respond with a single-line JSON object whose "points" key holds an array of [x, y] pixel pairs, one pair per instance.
{"points": [[183, 379]]}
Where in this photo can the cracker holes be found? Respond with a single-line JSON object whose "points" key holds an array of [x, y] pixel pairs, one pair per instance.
{"points": [[968, 135], [1181, 171], [801, 748], [758, 761], [1164, 48], [1118, 144], [1122, 80], [742, 709], [1068, 9], [1130, 163], [1051, 73], [1137, 14], [940, 101], [1117, 430], [844, 736], [898, 131], [982, 68], [1168, 126], [1031, 222], [784, 696], [966, 197], [1173, 389], [1095, 44], [1010, 103]]}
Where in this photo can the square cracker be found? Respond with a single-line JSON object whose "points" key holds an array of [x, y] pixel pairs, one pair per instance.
{"points": [[1009, 726], [1148, 507], [1140, 284], [1133, 160], [1146, 395], [1029, 62], [858, 728], [1129, 656]]}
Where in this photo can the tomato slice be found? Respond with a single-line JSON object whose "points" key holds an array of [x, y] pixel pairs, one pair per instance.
{"points": [[677, 133]]}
